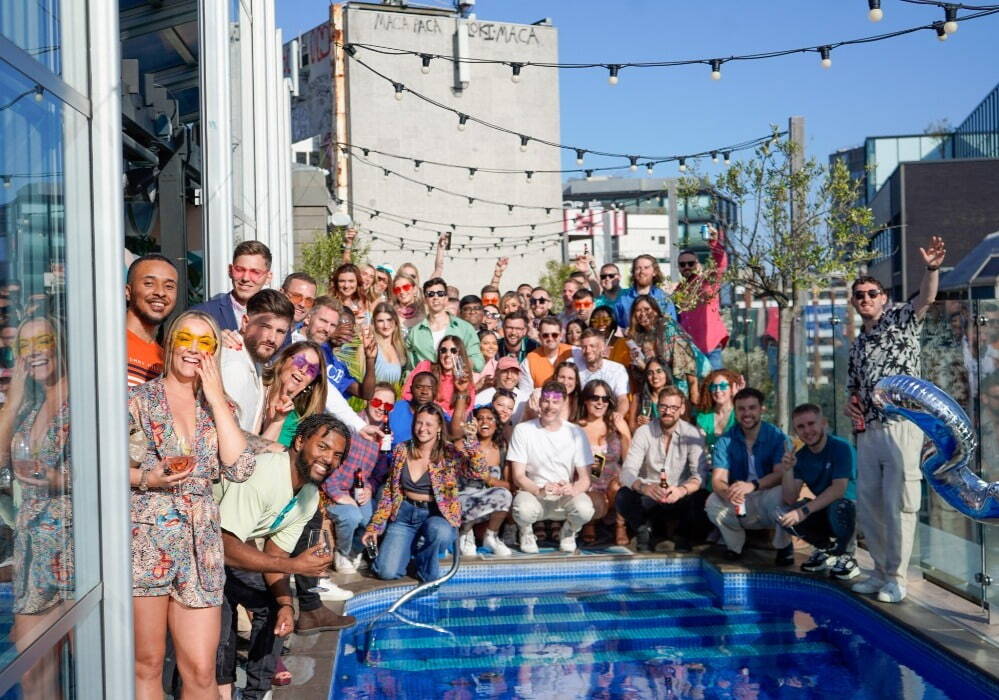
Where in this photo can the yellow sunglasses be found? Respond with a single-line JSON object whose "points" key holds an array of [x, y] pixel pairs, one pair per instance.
{"points": [[42, 342], [199, 343]]}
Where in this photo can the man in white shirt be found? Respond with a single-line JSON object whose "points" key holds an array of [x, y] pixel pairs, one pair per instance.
{"points": [[263, 328], [661, 474], [589, 358], [544, 455]]}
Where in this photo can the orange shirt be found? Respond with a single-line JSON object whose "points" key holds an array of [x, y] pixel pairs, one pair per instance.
{"points": [[540, 369], [145, 360]]}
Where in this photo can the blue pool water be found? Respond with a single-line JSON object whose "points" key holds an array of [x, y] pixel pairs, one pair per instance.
{"points": [[637, 629]]}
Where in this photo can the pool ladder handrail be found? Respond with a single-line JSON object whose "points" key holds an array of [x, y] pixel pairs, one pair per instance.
{"points": [[426, 587]]}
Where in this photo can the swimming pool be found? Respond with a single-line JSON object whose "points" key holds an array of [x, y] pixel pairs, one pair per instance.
{"points": [[638, 628]]}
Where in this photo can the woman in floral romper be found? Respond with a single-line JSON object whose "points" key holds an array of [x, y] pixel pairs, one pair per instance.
{"points": [[34, 446], [177, 557]]}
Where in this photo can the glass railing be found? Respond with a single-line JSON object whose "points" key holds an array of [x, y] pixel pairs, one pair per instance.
{"points": [[960, 354]]}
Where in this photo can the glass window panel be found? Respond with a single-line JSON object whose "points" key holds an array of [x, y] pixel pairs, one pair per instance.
{"points": [[44, 165], [48, 30]]}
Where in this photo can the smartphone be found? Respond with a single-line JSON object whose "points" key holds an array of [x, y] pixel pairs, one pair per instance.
{"points": [[178, 465], [598, 465], [447, 241]]}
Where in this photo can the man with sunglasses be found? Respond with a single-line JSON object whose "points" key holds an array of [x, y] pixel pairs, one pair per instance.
{"points": [[539, 365], [300, 288], [704, 322], [423, 338], [249, 272], [669, 450], [589, 358], [610, 285], [539, 306], [583, 304], [888, 475]]}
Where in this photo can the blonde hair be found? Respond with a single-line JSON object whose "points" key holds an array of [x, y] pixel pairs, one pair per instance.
{"points": [[383, 307], [177, 324]]}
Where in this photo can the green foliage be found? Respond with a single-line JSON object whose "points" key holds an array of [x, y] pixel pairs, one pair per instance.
{"points": [[555, 274], [325, 254]]}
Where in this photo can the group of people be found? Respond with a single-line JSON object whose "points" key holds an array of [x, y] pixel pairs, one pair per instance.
{"points": [[280, 432]]}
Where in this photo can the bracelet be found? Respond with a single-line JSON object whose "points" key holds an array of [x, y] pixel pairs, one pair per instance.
{"points": [[281, 605], [932, 268]]}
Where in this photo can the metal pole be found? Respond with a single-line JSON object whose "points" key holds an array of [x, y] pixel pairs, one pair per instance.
{"points": [[799, 386]]}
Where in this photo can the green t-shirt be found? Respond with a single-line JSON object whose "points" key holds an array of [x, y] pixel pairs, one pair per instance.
{"points": [[289, 428], [837, 460], [265, 505], [706, 422]]}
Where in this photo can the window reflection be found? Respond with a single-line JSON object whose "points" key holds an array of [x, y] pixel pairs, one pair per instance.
{"points": [[37, 563]]}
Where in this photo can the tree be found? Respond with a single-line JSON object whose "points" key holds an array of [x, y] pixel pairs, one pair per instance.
{"points": [[555, 275], [325, 254], [780, 251]]}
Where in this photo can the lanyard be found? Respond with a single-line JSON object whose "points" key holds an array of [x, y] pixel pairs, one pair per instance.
{"points": [[280, 518]]}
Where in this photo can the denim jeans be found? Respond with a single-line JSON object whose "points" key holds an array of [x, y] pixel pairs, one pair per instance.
{"points": [[835, 524], [349, 522], [418, 534]]}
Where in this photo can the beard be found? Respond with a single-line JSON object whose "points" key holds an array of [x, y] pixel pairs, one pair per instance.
{"points": [[304, 469], [253, 347]]}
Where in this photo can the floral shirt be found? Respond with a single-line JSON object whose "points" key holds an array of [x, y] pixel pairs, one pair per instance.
{"points": [[444, 476], [890, 348]]}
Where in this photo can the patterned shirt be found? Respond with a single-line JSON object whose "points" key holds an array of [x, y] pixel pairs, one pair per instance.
{"points": [[890, 348]]}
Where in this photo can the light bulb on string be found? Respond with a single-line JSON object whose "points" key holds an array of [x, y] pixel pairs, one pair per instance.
{"points": [[425, 58], [716, 68], [430, 190], [471, 174], [462, 118], [941, 32], [523, 143], [728, 157], [950, 18], [614, 70], [529, 174], [399, 88], [826, 61], [417, 164], [471, 202], [874, 12], [579, 156], [634, 163], [39, 93], [509, 209], [683, 165], [6, 182], [714, 156], [387, 173], [650, 168], [515, 74], [548, 211], [589, 175]]}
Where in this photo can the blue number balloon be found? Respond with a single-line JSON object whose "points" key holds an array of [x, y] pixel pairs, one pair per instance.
{"points": [[949, 428]]}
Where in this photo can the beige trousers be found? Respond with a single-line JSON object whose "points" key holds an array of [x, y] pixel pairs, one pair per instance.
{"points": [[888, 494], [529, 509], [761, 513]]}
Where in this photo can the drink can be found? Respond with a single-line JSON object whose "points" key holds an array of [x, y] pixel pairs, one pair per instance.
{"points": [[740, 509]]}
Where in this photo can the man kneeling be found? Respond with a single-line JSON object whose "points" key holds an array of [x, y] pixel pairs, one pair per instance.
{"points": [[827, 465], [544, 453]]}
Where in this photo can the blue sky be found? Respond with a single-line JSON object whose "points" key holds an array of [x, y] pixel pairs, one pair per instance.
{"points": [[892, 87]]}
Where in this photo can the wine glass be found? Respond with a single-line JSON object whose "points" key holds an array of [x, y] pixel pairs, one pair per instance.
{"points": [[320, 538], [23, 457]]}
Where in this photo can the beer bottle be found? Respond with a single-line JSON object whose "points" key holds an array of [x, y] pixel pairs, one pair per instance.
{"points": [[358, 485]]}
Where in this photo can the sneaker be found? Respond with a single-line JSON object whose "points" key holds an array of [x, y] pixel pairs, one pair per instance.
{"points": [[731, 555], [643, 538], [359, 562], [681, 544], [892, 593], [343, 564], [528, 542], [333, 592], [321, 620], [845, 567], [467, 543], [567, 539], [493, 543], [868, 586], [819, 561], [785, 556]]}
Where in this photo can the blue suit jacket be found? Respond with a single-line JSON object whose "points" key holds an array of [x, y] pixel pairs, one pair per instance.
{"points": [[219, 307]]}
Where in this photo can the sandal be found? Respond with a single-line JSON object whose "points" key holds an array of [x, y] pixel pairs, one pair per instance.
{"points": [[282, 676]]}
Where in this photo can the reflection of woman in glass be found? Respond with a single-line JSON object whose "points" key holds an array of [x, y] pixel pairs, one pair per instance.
{"points": [[34, 444], [296, 389], [185, 437]]}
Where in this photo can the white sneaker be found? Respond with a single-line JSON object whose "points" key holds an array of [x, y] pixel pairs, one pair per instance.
{"points": [[567, 539], [466, 541], [892, 593], [333, 591], [492, 542], [868, 586], [358, 562], [528, 543], [343, 564]]}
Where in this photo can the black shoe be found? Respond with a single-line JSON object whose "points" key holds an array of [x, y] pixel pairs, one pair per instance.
{"points": [[643, 538], [681, 544], [819, 561], [785, 556], [732, 556]]}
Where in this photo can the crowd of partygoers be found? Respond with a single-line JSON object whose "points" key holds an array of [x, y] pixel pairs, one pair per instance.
{"points": [[282, 440]]}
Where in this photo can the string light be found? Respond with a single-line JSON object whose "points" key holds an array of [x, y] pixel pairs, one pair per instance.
{"points": [[824, 52], [471, 174], [941, 32], [471, 202], [950, 19], [417, 164], [515, 74], [399, 88], [614, 70], [714, 156], [523, 143], [509, 209], [589, 175], [386, 173], [425, 58], [529, 174], [430, 190], [683, 165], [874, 12], [728, 157], [716, 68], [579, 156], [6, 182], [634, 163], [39, 93], [462, 118], [649, 168]]}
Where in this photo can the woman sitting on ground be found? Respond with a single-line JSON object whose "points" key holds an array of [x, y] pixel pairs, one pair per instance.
{"points": [[715, 413], [488, 499], [610, 439], [419, 504]]}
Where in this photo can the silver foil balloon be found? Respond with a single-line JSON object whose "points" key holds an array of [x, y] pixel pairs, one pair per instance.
{"points": [[949, 428]]}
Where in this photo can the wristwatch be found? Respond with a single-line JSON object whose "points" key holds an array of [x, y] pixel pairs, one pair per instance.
{"points": [[805, 510], [755, 483]]}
